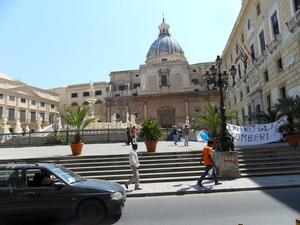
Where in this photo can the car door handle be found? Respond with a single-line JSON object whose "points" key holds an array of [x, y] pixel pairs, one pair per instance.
{"points": [[29, 193]]}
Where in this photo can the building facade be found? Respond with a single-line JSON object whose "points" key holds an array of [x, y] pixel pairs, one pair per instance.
{"points": [[166, 88], [76, 95], [22, 103], [264, 44]]}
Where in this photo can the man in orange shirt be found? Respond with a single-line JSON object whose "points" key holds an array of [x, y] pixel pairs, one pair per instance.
{"points": [[209, 164]]}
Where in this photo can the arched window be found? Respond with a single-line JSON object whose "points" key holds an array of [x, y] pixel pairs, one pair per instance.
{"points": [[98, 102], [86, 103], [74, 104]]}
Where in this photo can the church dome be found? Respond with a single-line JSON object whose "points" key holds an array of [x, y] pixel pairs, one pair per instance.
{"points": [[165, 48]]}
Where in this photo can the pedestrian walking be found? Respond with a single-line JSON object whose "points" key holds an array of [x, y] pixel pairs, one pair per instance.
{"points": [[129, 136], [186, 133], [134, 164], [209, 164], [175, 135], [134, 135]]}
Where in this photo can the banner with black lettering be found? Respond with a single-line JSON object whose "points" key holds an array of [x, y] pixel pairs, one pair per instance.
{"points": [[256, 134]]}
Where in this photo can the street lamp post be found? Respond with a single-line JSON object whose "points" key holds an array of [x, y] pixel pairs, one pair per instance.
{"points": [[216, 79]]}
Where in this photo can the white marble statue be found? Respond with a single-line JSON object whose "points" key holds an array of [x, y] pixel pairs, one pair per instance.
{"points": [[57, 125], [27, 130], [187, 120], [5, 130], [39, 122], [18, 128], [132, 119]]}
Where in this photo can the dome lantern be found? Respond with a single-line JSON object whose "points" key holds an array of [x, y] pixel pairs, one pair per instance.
{"points": [[164, 48]]}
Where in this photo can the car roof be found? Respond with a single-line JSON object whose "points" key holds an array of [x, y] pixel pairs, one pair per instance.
{"points": [[21, 165]]}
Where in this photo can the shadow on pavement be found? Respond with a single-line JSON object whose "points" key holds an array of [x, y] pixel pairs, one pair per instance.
{"points": [[108, 220]]}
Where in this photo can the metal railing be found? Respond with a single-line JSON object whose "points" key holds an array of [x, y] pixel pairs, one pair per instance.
{"points": [[65, 137]]}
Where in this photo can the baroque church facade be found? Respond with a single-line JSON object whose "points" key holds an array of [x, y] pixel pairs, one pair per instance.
{"points": [[166, 88]]}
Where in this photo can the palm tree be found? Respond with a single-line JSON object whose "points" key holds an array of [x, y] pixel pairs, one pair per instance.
{"points": [[77, 121], [271, 116], [289, 106], [210, 119]]}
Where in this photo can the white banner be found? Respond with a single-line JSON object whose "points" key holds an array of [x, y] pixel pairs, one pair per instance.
{"points": [[256, 134]]}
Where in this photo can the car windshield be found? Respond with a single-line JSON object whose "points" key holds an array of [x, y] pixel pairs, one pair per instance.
{"points": [[65, 174]]}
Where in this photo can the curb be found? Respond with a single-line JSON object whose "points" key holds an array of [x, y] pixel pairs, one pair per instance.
{"points": [[208, 191]]}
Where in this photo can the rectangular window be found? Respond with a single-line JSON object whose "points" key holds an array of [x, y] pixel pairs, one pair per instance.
{"points": [[252, 50], [269, 101], [98, 92], [275, 26], [258, 9], [12, 98], [247, 89], [122, 87], [33, 102], [297, 5], [42, 104], [257, 108], [279, 65], [23, 100], [52, 106], [1, 111], [1, 96], [33, 117], [262, 41], [164, 80], [283, 92], [22, 116], [266, 76], [239, 71], [86, 94], [11, 115], [74, 95], [50, 118]]}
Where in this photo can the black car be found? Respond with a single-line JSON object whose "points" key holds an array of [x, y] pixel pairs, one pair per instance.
{"points": [[40, 190]]}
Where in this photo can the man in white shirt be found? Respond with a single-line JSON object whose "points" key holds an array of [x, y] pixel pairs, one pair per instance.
{"points": [[134, 164]]}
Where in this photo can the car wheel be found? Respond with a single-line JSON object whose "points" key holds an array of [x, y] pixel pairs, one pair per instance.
{"points": [[91, 211]]}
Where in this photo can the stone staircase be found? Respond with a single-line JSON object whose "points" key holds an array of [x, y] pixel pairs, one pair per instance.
{"points": [[182, 166]]}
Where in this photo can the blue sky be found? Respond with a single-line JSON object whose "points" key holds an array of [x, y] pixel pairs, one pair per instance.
{"points": [[53, 43]]}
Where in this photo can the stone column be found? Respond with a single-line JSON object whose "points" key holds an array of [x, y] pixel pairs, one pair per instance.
{"points": [[145, 111], [227, 164]]}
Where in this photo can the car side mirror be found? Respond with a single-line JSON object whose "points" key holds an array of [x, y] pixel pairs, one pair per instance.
{"points": [[58, 185]]}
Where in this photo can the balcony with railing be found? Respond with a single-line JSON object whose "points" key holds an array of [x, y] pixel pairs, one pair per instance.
{"points": [[294, 22]]}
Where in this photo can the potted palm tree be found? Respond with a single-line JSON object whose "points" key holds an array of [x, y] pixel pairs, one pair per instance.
{"points": [[78, 121], [210, 120], [290, 106], [150, 133]]}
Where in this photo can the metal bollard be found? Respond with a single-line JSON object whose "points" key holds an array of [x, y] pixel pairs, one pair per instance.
{"points": [[298, 221]]}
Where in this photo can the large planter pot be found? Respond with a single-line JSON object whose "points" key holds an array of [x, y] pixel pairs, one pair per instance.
{"points": [[151, 146], [76, 148], [293, 140]]}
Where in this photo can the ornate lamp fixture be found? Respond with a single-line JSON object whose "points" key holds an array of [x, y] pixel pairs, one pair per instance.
{"points": [[214, 79]]}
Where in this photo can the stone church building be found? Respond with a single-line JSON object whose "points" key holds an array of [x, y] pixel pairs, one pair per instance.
{"points": [[166, 88]]}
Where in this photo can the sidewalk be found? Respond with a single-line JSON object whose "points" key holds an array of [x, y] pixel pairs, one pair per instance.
{"points": [[165, 188]]}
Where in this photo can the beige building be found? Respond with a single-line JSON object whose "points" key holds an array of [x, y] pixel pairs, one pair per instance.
{"points": [[166, 88], [26, 104], [264, 44]]}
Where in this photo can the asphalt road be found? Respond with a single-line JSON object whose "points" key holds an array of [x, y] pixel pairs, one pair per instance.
{"points": [[276, 207]]}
